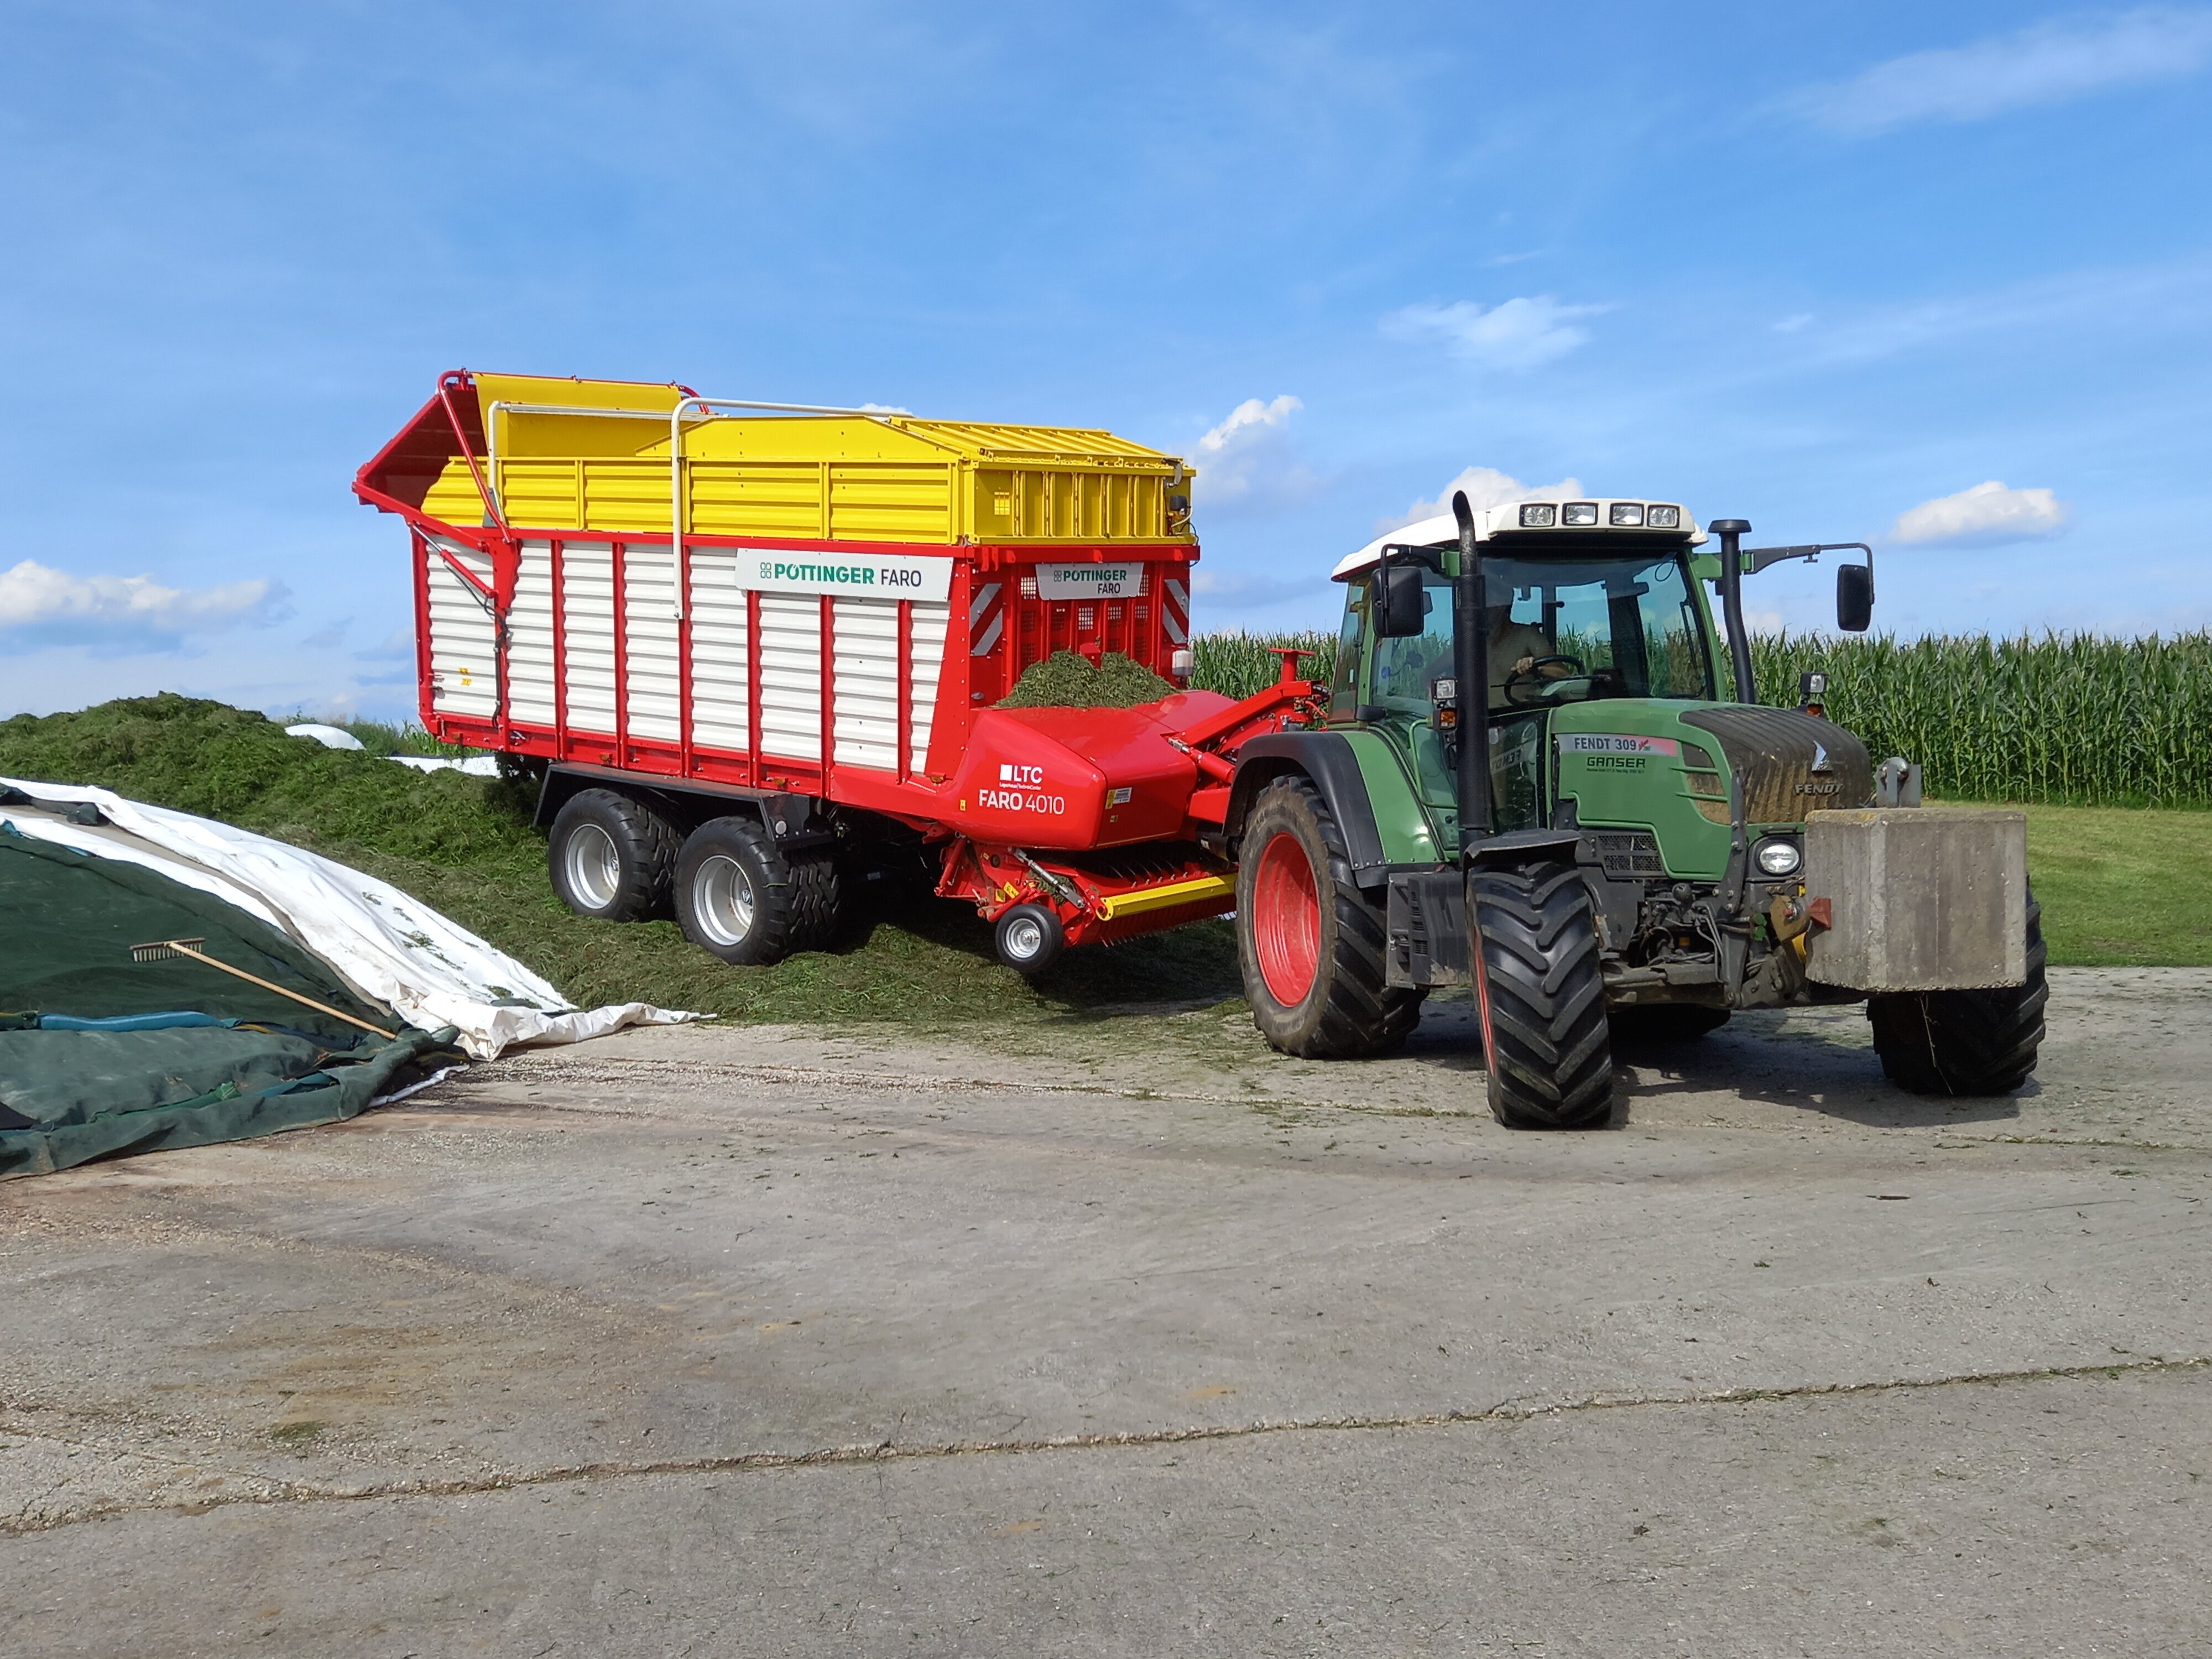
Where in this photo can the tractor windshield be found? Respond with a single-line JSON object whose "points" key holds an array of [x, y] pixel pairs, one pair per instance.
{"points": [[1564, 631]]}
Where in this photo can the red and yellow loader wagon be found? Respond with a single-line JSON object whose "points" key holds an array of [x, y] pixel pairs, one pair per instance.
{"points": [[744, 639]]}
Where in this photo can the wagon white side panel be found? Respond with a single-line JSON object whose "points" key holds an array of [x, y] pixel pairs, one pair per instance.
{"points": [[588, 600], [929, 627], [654, 698], [791, 676], [463, 644], [867, 683], [530, 639], [721, 654]]}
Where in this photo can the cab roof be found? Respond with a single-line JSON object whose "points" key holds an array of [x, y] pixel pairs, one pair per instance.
{"points": [[1503, 522]]}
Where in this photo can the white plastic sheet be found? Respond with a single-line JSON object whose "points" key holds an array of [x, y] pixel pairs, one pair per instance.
{"points": [[330, 737], [392, 949], [476, 766]]}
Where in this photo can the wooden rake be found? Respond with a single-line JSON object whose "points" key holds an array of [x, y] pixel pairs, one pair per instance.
{"points": [[163, 949]]}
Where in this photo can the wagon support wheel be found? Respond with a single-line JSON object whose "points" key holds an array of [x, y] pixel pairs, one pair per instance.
{"points": [[1309, 943], [741, 898], [612, 857]]}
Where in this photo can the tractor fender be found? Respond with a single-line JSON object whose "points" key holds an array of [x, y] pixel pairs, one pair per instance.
{"points": [[1327, 759]]}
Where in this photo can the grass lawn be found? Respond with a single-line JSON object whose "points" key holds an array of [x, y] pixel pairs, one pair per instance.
{"points": [[2123, 886]]}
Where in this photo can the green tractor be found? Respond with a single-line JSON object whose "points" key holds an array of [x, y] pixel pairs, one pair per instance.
{"points": [[1605, 846]]}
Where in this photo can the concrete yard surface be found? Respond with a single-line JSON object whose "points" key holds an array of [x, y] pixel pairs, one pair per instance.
{"points": [[1138, 1339]]}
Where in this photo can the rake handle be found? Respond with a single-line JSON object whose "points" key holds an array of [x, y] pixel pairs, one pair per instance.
{"points": [[320, 1007]]}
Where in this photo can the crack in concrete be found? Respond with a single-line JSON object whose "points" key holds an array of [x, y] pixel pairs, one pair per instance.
{"points": [[276, 1489]]}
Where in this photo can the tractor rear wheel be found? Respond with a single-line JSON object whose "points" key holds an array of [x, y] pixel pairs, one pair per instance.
{"points": [[741, 898], [612, 857], [1966, 1042], [1309, 941], [1541, 997]]}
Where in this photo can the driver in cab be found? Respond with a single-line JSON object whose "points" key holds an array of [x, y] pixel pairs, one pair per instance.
{"points": [[1515, 648]]}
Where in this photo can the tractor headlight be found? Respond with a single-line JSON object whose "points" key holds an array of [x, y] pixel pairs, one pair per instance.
{"points": [[1663, 517], [1538, 516], [1579, 513], [1630, 514], [1777, 857]]}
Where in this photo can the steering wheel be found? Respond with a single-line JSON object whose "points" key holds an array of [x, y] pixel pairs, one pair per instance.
{"points": [[1534, 674]]}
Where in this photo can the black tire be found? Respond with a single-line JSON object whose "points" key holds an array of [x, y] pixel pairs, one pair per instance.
{"points": [[740, 897], [1339, 1006], [1029, 939], [612, 857], [1966, 1042], [1541, 997], [1658, 1023]]}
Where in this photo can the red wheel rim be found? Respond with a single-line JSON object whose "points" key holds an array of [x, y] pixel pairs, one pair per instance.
{"points": [[1286, 920]]}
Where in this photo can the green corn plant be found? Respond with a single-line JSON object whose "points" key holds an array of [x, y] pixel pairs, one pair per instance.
{"points": [[1238, 664], [2074, 718]]}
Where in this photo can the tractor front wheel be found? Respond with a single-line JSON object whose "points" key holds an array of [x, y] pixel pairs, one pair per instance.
{"points": [[1966, 1042], [1309, 943], [1541, 997]]}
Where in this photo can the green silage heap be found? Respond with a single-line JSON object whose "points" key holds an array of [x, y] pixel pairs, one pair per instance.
{"points": [[1066, 680]]}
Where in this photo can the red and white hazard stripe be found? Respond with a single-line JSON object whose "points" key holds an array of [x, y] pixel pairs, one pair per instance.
{"points": [[987, 618], [1175, 610]]}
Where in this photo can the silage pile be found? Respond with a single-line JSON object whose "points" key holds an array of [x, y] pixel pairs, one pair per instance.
{"points": [[1066, 680]]}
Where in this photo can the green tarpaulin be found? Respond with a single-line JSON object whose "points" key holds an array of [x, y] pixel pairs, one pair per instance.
{"points": [[236, 1060]]}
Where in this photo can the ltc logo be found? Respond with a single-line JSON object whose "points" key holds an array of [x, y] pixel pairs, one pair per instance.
{"points": [[1022, 777]]}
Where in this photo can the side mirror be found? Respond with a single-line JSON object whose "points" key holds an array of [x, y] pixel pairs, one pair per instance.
{"points": [[1854, 598], [1400, 601]]}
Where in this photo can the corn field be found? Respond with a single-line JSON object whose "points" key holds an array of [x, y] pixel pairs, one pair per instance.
{"points": [[1240, 664], [2075, 718], [2071, 718]]}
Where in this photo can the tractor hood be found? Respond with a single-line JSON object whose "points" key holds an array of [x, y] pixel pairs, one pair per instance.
{"points": [[1790, 764], [1661, 769]]}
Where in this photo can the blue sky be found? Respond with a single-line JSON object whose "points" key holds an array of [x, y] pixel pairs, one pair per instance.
{"points": [[1936, 278]]}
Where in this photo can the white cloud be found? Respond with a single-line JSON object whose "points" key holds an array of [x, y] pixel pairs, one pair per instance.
{"points": [[1792, 323], [33, 595], [2049, 62], [1249, 450], [1517, 334], [1250, 417], [1486, 486], [1986, 515]]}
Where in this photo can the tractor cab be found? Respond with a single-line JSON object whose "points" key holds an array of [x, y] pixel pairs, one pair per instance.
{"points": [[1607, 608]]}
